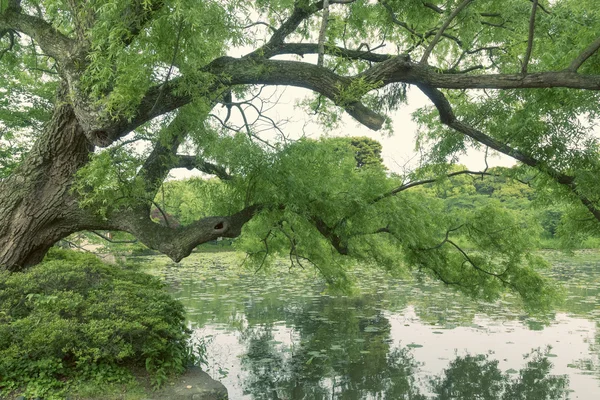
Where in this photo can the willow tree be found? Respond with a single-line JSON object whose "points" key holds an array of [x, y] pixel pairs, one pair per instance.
{"points": [[84, 82]]}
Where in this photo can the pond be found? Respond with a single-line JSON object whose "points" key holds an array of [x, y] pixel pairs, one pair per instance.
{"points": [[282, 336]]}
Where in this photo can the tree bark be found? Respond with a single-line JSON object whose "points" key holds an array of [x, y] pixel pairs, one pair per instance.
{"points": [[36, 205]]}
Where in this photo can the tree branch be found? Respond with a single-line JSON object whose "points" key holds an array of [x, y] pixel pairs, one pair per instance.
{"points": [[396, 21], [329, 234], [322, 32], [191, 162], [440, 32], [478, 268], [448, 118], [11, 41], [178, 242], [433, 7], [302, 10], [51, 41], [426, 181], [585, 54], [231, 71], [311, 48], [234, 71], [138, 14], [530, 39], [162, 157]]}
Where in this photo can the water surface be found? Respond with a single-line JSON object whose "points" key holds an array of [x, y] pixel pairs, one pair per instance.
{"points": [[281, 336]]}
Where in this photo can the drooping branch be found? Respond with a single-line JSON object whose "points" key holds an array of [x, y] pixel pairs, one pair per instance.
{"points": [[422, 182], [474, 265], [329, 232], [448, 118], [445, 240]]}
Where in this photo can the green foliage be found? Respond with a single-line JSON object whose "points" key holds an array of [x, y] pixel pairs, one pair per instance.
{"points": [[352, 213], [73, 318], [122, 66], [367, 152], [355, 91], [188, 201], [109, 181]]}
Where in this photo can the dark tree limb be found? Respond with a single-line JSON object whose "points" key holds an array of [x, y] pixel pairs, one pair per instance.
{"points": [[448, 118], [11, 40], [311, 48], [420, 36], [178, 242], [413, 184], [433, 7], [445, 240], [138, 14], [51, 41], [440, 32], [244, 71], [303, 9], [542, 7], [271, 28], [585, 54], [162, 157], [534, 8], [193, 162], [329, 233]]}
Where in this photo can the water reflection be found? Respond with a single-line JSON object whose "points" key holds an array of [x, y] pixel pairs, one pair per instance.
{"points": [[348, 357], [281, 337]]}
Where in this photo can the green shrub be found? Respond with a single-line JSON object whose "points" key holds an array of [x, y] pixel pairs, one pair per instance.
{"points": [[73, 318]]}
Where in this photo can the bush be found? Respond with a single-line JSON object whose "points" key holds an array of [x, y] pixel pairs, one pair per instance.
{"points": [[73, 318]]}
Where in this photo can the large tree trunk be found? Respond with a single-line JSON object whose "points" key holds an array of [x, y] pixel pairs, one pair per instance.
{"points": [[36, 206]]}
